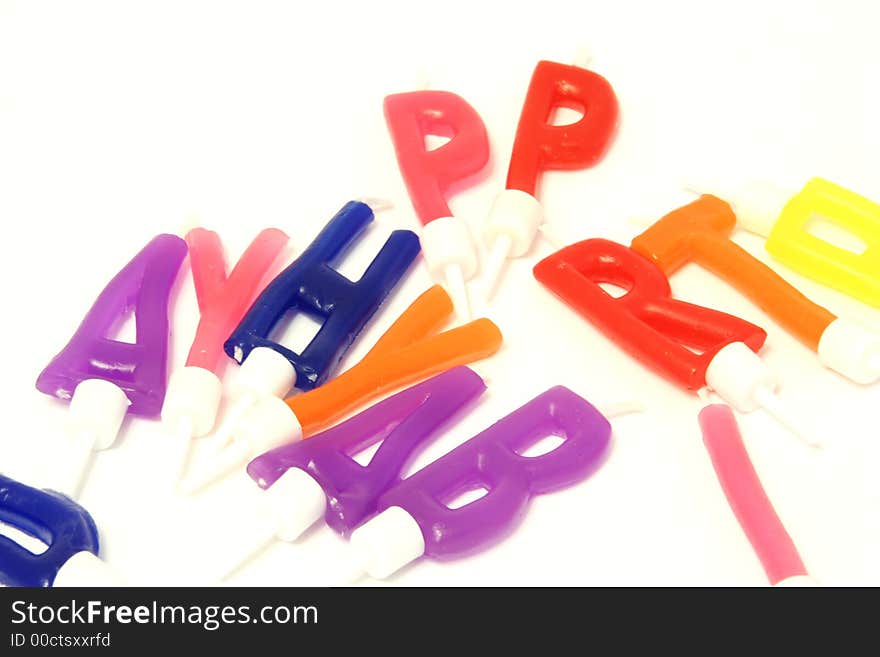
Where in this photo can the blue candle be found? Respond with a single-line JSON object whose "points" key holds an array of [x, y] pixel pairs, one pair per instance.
{"points": [[310, 285], [51, 517]]}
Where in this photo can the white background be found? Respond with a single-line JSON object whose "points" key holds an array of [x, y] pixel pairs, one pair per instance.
{"points": [[118, 122]]}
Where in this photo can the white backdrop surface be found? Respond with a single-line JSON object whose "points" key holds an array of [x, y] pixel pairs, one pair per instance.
{"points": [[118, 122]]}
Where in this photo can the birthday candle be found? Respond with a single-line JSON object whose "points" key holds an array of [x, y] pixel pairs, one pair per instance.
{"points": [[516, 215], [312, 286], [414, 518], [194, 391], [691, 345], [306, 480], [747, 498], [788, 221], [223, 299], [429, 174], [104, 378], [67, 529], [408, 352], [699, 232]]}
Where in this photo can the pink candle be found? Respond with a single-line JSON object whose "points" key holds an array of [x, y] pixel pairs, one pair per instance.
{"points": [[195, 391], [747, 498], [224, 300], [432, 174]]}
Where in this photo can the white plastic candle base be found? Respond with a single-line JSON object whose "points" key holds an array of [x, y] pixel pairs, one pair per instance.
{"points": [[509, 232], [518, 215], [736, 372], [85, 569], [387, 543], [446, 241], [269, 424], [757, 203], [620, 408], [742, 379], [193, 395], [451, 257], [851, 350], [216, 468], [264, 373], [457, 289], [787, 417], [554, 238], [582, 58], [376, 204], [798, 581], [296, 501], [499, 252], [234, 416], [292, 504], [97, 408]]}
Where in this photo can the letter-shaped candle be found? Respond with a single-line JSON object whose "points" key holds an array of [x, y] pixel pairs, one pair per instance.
{"points": [[319, 477], [516, 214], [141, 287], [310, 285], [856, 274], [791, 222], [430, 174], [194, 391], [654, 328], [223, 300], [747, 498], [405, 354], [66, 528], [414, 517], [700, 232], [102, 376], [662, 332]]}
